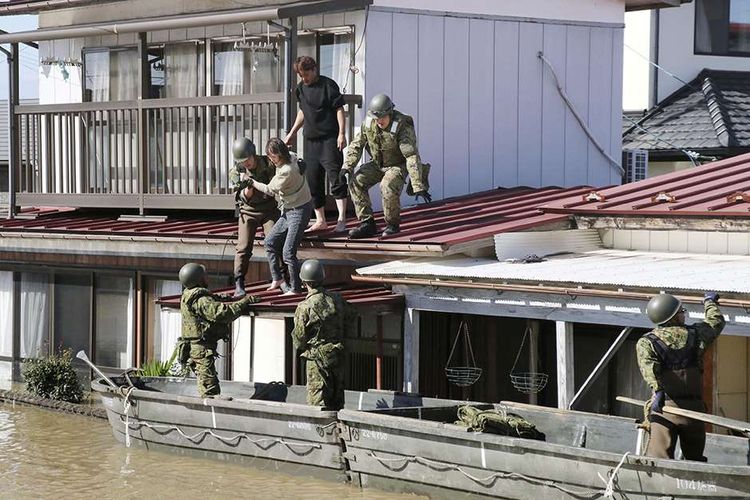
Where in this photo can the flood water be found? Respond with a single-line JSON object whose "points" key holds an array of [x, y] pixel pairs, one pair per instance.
{"points": [[46, 454]]}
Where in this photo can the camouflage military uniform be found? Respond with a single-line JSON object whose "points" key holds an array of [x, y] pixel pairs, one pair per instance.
{"points": [[206, 319], [682, 381], [320, 324], [260, 210], [394, 153]]}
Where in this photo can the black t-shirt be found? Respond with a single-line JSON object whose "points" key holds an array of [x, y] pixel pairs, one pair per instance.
{"points": [[319, 102]]}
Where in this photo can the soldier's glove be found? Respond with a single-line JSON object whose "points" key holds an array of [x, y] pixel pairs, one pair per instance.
{"points": [[657, 401], [712, 296], [345, 175], [248, 301], [423, 194]]}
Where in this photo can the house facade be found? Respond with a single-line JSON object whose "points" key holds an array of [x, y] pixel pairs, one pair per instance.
{"points": [[680, 69], [129, 148]]}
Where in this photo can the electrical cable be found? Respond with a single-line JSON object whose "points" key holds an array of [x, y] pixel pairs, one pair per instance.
{"points": [[356, 51], [692, 155]]}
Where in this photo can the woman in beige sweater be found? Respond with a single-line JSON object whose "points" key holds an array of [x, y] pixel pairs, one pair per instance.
{"points": [[291, 190]]}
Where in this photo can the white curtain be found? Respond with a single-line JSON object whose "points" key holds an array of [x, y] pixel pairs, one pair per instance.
{"points": [[6, 313], [230, 71], [182, 72], [168, 322], [97, 75], [127, 360], [34, 314], [265, 72], [341, 60], [124, 75]]}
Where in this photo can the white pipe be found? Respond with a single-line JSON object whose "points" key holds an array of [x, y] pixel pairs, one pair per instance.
{"points": [[165, 23]]}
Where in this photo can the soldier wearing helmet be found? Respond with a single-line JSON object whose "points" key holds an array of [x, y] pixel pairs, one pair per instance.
{"points": [[670, 358], [206, 319], [254, 208], [321, 323], [390, 138]]}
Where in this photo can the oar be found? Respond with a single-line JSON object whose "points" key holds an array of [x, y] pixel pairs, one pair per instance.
{"points": [[82, 355], [729, 423]]}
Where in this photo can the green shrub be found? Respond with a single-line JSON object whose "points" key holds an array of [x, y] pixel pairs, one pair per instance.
{"points": [[156, 368], [53, 377]]}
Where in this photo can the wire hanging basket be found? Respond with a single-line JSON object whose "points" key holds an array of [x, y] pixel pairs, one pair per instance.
{"points": [[463, 376], [527, 382]]}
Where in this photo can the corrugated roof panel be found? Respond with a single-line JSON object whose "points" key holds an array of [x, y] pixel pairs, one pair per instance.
{"points": [[621, 268], [436, 226], [720, 188], [541, 243]]}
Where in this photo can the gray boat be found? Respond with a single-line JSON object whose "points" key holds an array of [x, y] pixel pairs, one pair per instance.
{"points": [[266, 424], [584, 455]]}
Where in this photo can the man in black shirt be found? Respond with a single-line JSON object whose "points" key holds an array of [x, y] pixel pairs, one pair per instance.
{"points": [[322, 114]]}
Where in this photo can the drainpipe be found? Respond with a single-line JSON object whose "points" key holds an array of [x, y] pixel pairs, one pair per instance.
{"points": [[290, 78], [654, 67]]}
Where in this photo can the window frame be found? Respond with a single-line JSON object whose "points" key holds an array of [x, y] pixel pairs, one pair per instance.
{"points": [[725, 18]]}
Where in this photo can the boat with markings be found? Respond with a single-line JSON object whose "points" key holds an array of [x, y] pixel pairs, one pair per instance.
{"points": [[407, 443]]}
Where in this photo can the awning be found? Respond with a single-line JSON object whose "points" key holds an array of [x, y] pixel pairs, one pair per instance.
{"points": [[605, 268], [186, 21], [369, 299]]}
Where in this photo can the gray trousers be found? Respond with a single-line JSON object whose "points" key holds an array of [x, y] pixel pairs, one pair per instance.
{"points": [[283, 240]]}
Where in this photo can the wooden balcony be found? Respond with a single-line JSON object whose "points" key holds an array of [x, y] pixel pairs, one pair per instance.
{"points": [[144, 154]]}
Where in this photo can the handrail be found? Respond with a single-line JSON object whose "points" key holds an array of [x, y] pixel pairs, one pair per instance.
{"points": [[173, 102]]}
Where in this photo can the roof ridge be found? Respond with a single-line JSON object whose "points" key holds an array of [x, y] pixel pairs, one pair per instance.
{"points": [[715, 103]]}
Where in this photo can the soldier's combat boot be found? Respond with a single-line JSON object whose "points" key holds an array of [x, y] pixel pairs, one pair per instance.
{"points": [[391, 229], [239, 287], [366, 229]]}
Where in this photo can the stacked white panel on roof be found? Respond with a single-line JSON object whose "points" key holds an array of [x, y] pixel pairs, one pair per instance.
{"points": [[521, 244]]}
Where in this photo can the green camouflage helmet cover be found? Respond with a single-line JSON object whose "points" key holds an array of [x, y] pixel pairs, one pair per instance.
{"points": [[243, 148], [380, 105], [662, 308], [192, 275], [312, 272]]}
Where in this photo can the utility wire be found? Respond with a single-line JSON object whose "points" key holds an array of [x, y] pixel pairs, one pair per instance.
{"points": [[692, 155]]}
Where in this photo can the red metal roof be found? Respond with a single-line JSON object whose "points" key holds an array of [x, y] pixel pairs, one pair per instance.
{"points": [[435, 227], [717, 189], [374, 298]]}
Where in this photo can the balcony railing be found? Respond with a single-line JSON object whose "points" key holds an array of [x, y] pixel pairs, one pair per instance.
{"points": [[158, 153]]}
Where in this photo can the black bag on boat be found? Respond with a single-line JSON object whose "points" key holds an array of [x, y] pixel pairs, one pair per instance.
{"points": [[497, 422]]}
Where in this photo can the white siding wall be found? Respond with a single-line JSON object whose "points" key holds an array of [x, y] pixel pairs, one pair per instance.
{"points": [[608, 11], [636, 92], [486, 110]]}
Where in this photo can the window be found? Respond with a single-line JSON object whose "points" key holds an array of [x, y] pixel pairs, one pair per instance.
{"points": [[113, 306], [722, 27], [250, 67], [6, 313], [635, 163], [166, 323], [110, 74], [72, 312], [333, 51], [34, 311]]}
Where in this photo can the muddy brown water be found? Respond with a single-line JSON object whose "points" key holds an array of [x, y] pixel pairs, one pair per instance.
{"points": [[47, 454]]}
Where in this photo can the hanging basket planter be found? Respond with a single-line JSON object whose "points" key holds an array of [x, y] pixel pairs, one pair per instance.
{"points": [[463, 376], [527, 382]]}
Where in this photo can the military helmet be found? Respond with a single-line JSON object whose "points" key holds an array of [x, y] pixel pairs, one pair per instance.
{"points": [[243, 148], [662, 308], [192, 275], [380, 105], [312, 272]]}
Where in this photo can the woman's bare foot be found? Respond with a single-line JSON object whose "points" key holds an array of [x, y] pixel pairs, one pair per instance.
{"points": [[274, 285], [318, 226]]}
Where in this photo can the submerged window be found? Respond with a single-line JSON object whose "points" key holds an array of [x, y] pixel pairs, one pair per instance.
{"points": [[6, 313], [34, 312], [113, 333], [722, 27]]}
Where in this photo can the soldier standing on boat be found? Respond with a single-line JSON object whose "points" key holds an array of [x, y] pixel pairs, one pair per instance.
{"points": [[254, 208], [206, 319], [670, 358], [389, 136], [320, 324]]}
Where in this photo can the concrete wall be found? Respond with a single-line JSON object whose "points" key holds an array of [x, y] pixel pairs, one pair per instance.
{"points": [[486, 109]]}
